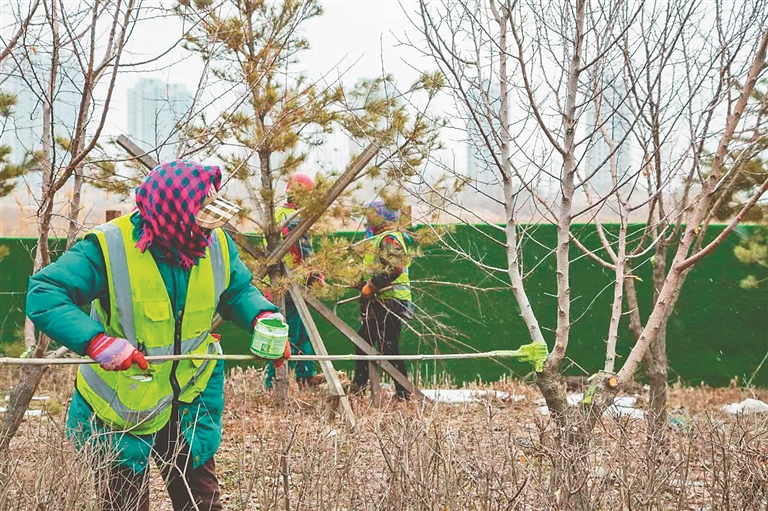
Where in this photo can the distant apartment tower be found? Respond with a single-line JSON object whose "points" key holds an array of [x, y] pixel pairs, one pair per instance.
{"points": [[154, 111], [614, 119]]}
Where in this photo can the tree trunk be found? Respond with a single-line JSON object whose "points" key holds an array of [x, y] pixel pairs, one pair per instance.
{"points": [[74, 207], [657, 372], [282, 374], [22, 392], [657, 368], [20, 397]]}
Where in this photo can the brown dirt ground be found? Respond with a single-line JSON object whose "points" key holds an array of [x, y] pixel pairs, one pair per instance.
{"points": [[256, 430]]}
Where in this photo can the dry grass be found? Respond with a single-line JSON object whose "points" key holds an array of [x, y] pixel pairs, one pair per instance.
{"points": [[493, 455]]}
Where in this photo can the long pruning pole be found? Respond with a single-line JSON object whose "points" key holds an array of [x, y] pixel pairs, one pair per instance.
{"points": [[205, 356]]}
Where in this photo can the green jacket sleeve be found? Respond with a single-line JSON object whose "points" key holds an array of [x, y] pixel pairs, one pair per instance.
{"points": [[57, 292], [241, 302]]}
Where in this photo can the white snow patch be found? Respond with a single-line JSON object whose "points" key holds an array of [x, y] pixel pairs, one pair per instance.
{"points": [[624, 411], [467, 395], [622, 406], [625, 401], [28, 413], [746, 407], [574, 399]]}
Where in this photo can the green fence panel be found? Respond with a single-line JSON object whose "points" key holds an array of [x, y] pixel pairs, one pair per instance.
{"points": [[717, 331]]}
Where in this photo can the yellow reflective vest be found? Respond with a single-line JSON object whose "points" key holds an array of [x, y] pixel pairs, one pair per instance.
{"points": [[141, 312], [401, 286]]}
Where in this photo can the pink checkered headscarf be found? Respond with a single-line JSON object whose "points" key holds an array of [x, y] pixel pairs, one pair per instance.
{"points": [[168, 200]]}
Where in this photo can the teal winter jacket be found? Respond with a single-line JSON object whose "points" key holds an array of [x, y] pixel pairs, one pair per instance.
{"points": [[55, 299]]}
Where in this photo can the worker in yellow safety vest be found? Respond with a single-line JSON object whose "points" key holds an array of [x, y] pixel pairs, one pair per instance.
{"points": [[155, 278], [386, 298]]}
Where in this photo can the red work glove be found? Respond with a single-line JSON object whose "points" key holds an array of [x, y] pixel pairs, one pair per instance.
{"points": [[268, 295], [316, 279], [114, 354], [279, 362], [368, 290], [268, 315]]}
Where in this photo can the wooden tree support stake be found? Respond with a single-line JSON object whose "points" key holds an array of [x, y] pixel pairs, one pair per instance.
{"points": [[358, 341], [309, 219], [282, 381], [142, 156], [339, 400]]}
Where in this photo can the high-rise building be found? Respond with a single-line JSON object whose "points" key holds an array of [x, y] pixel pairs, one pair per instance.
{"points": [[613, 120], [154, 111]]}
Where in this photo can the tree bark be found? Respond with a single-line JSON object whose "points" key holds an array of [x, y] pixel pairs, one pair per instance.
{"points": [[618, 297], [22, 392], [21, 395], [562, 251], [657, 368]]}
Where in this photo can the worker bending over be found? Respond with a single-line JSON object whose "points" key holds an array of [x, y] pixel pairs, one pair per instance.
{"points": [[385, 299]]}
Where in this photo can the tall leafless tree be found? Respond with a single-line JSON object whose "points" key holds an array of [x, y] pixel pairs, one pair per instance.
{"points": [[9, 172], [555, 95], [66, 46]]}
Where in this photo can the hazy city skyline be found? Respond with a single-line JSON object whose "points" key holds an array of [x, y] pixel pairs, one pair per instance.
{"points": [[155, 108]]}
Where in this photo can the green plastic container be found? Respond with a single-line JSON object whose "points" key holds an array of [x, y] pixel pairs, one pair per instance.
{"points": [[269, 338]]}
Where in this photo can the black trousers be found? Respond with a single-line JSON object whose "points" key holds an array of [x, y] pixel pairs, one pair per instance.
{"points": [[122, 489], [381, 328]]}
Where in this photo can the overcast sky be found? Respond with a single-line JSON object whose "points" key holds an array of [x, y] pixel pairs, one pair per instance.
{"points": [[356, 37]]}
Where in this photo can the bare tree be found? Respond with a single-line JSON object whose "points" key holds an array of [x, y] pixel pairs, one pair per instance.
{"points": [[555, 94], [10, 172], [68, 50]]}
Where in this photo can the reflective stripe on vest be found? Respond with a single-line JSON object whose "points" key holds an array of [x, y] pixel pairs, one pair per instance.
{"points": [[138, 400], [219, 266], [120, 277], [400, 287], [129, 415]]}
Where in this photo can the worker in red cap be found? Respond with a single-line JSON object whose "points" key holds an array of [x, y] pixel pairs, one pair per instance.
{"points": [[287, 218]]}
